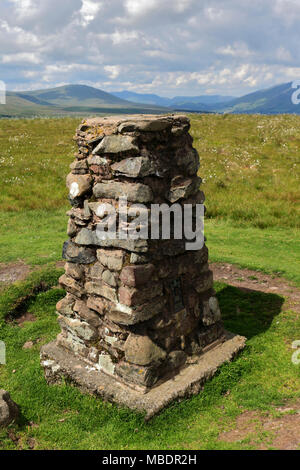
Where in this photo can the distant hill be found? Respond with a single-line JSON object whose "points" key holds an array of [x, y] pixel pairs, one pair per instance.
{"points": [[145, 98], [275, 100], [86, 100], [70, 99], [178, 102]]}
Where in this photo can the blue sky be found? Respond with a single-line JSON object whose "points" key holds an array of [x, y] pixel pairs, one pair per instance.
{"points": [[168, 47]]}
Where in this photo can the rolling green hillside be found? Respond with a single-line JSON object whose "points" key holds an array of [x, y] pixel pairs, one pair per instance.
{"points": [[18, 106], [71, 96], [275, 100], [69, 100]]}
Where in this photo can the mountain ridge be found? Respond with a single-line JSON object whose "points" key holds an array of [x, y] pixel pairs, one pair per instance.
{"points": [[69, 100], [85, 100]]}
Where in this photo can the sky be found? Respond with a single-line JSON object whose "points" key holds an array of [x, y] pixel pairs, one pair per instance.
{"points": [[167, 47]]}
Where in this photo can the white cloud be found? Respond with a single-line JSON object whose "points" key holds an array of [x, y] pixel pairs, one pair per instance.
{"points": [[112, 70], [89, 11], [235, 50], [283, 54], [24, 8], [25, 57], [163, 46], [140, 7]]}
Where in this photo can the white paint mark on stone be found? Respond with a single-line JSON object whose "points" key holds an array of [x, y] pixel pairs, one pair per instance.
{"points": [[74, 190]]}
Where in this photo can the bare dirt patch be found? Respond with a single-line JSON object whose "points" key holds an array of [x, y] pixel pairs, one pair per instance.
{"points": [[13, 272], [26, 317], [265, 431], [246, 279]]}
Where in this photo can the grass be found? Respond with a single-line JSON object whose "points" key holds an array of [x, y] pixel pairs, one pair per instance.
{"points": [[33, 236], [38, 237], [35, 156], [60, 417], [250, 167], [271, 250]]}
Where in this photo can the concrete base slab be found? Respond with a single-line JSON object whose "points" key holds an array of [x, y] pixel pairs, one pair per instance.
{"points": [[58, 363]]}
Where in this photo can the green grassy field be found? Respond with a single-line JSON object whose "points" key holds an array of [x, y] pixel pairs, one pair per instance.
{"points": [[250, 168], [61, 417]]}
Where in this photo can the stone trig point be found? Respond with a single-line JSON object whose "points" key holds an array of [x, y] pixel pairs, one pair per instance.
{"points": [[140, 324]]}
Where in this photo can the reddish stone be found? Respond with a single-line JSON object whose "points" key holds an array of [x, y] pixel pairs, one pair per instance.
{"points": [[98, 304], [130, 296], [137, 275], [204, 282], [86, 314]]}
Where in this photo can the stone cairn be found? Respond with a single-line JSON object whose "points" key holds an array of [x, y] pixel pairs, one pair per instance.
{"points": [[136, 310]]}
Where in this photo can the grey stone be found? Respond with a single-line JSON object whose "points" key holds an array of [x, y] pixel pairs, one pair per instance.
{"points": [[211, 311], [182, 188], [93, 355], [59, 364], [86, 210], [124, 315], [79, 215], [116, 144], [86, 237], [79, 165], [78, 328], [74, 270], [9, 410], [136, 167], [86, 314], [72, 228], [96, 271], [89, 237], [71, 285], [65, 306], [111, 259], [144, 125], [109, 278], [188, 158], [137, 375], [106, 364], [135, 192], [138, 259], [70, 342], [97, 160], [139, 246], [141, 350], [77, 254], [102, 290]]}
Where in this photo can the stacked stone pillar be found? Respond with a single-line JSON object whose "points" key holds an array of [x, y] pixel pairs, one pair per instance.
{"points": [[138, 311]]}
